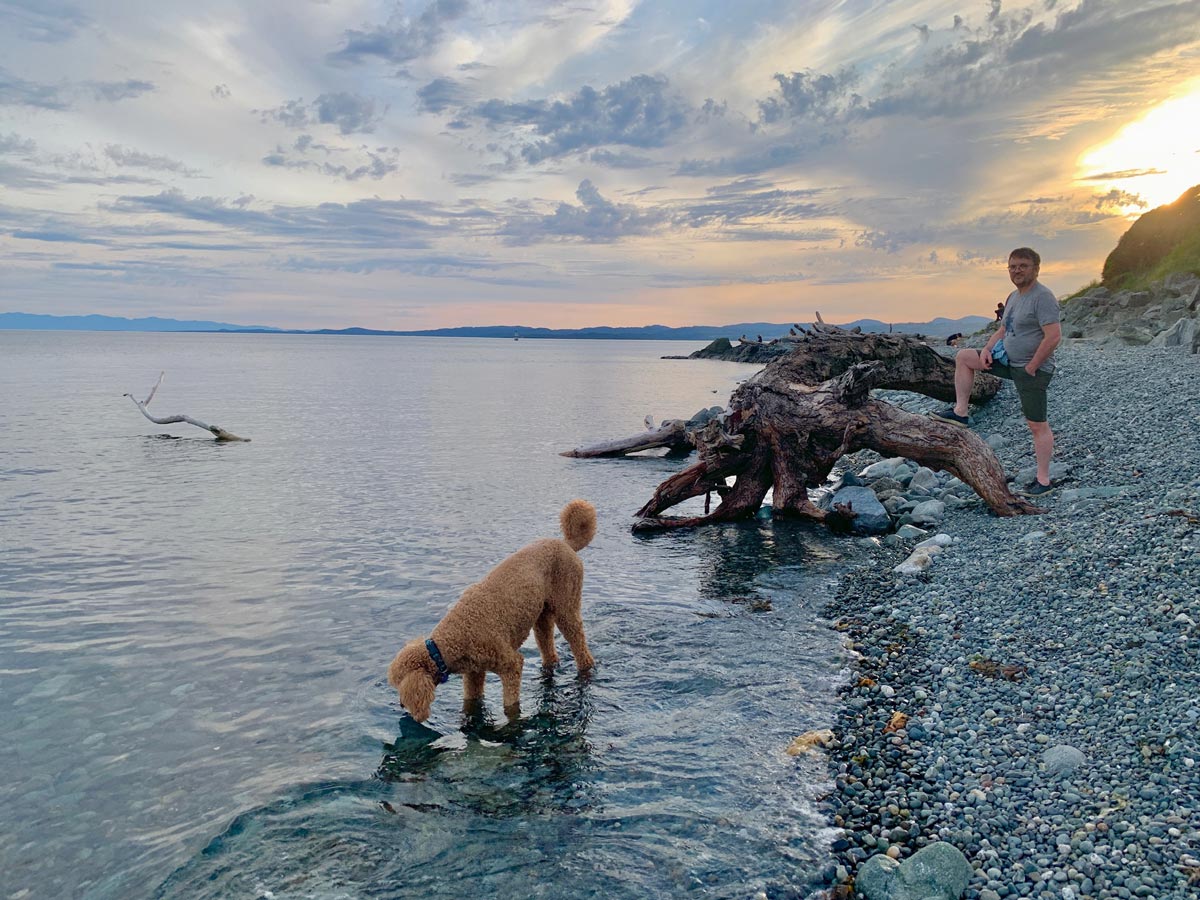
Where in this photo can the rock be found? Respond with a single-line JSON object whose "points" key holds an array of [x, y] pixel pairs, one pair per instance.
{"points": [[1184, 333], [915, 564], [931, 511], [924, 478], [886, 468], [939, 540], [911, 532], [936, 872], [885, 485], [871, 517], [1062, 760]]}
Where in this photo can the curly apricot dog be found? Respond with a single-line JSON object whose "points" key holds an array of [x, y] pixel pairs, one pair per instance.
{"points": [[536, 588]]}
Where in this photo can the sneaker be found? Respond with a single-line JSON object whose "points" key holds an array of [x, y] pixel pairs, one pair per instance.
{"points": [[949, 415], [1037, 489]]}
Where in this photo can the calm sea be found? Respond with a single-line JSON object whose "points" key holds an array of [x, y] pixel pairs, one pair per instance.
{"points": [[193, 636]]}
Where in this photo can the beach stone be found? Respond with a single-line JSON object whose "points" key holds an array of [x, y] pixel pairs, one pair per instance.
{"points": [[930, 511], [940, 540], [887, 468], [872, 517], [938, 871], [1062, 760], [924, 478], [911, 532]]}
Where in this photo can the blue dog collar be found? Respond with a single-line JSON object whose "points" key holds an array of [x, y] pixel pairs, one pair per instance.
{"points": [[436, 655]]}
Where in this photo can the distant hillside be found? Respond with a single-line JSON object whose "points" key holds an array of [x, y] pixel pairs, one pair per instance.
{"points": [[1164, 241], [17, 321], [939, 327]]}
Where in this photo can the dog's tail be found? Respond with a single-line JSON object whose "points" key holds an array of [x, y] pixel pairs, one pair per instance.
{"points": [[578, 520]]}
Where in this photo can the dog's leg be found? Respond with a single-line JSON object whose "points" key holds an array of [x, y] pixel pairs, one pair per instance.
{"points": [[570, 623], [473, 685], [509, 670], [543, 631]]}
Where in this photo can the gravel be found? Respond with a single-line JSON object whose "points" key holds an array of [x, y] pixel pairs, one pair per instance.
{"points": [[1049, 665]]}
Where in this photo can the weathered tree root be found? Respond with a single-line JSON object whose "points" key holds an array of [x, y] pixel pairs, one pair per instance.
{"points": [[788, 435]]}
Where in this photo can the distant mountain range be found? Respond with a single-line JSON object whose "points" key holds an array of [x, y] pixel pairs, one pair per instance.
{"points": [[940, 327]]}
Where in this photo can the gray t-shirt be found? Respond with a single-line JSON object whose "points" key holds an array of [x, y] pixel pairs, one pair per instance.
{"points": [[1024, 317]]}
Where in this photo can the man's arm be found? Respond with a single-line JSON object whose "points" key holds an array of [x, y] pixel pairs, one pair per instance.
{"points": [[1051, 338], [985, 355]]}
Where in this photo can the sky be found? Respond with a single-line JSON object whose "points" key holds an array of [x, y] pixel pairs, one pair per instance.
{"points": [[413, 165]]}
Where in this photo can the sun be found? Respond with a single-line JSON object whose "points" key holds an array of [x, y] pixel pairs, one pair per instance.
{"points": [[1156, 157]]}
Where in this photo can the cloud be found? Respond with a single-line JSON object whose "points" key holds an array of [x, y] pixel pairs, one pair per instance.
{"points": [[118, 90], [373, 164], [16, 91], [126, 156], [402, 40], [639, 112], [441, 94], [349, 112], [43, 21], [221, 92], [16, 145], [369, 223], [595, 219], [813, 96]]}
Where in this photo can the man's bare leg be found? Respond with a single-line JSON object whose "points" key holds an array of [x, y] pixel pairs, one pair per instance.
{"points": [[1043, 448], [966, 364]]}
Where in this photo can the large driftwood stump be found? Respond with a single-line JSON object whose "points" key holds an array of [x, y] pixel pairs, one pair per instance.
{"points": [[784, 434], [826, 352]]}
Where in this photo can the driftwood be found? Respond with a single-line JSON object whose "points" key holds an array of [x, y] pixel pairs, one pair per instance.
{"points": [[786, 435], [220, 433], [812, 358]]}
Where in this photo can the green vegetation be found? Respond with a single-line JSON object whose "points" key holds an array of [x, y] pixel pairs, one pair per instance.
{"points": [[1161, 242]]}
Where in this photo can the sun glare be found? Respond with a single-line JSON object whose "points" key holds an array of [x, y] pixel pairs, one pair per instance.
{"points": [[1156, 157]]}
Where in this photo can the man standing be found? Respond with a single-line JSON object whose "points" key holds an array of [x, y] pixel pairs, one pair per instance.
{"points": [[1031, 331]]}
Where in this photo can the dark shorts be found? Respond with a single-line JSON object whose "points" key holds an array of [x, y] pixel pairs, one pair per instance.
{"points": [[1030, 388]]}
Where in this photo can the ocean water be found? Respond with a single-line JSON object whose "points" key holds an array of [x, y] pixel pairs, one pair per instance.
{"points": [[194, 636]]}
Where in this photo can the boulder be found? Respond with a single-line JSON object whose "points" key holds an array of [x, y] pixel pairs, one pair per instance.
{"points": [[936, 872], [924, 478], [1184, 333], [871, 517]]}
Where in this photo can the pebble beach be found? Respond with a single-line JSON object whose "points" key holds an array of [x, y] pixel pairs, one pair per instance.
{"points": [[1032, 696]]}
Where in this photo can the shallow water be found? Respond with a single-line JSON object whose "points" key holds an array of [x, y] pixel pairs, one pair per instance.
{"points": [[193, 636]]}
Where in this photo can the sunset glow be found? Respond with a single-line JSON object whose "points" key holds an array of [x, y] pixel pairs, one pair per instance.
{"points": [[1157, 157]]}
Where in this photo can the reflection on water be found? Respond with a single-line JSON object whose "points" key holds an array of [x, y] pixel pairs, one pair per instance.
{"points": [[193, 636]]}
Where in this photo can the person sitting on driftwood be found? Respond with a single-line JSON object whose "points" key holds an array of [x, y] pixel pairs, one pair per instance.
{"points": [[999, 310], [1028, 335]]}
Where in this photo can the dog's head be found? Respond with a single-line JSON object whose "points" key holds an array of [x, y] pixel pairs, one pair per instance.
{"points": [[414, 676]]}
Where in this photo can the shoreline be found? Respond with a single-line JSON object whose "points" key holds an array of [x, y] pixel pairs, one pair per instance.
{"points": [[1076, 629]]}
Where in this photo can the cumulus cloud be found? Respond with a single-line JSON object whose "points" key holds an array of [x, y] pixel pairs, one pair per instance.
{"points": [[596, 219], [441, 94], [348, 112], [639, 112], [336, 162], [813, 95], [402, 40]]}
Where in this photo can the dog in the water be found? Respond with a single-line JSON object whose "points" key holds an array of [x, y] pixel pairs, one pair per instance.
{"points": [[537, 588]]}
